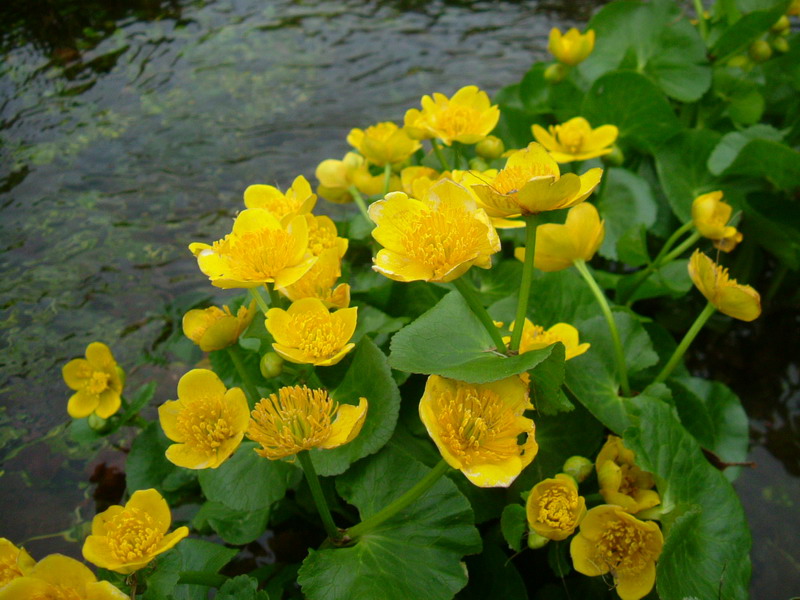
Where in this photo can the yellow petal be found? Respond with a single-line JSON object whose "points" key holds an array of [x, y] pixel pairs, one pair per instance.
{"points": [[152, 503], [64, 571], [399, 267], [348, 423], [99, 521], [82, 404], [638, 585], [198, 383], [554, 251], [99, 355], [255, 219], [168, 417], [189, 457], [543, 136], [500, 474], [603, 136], [583, 553], [260, 196], [239, 409], [76, 372], [97, 550], [589, 182], [547, 193], [108, 403], [103, 590]]}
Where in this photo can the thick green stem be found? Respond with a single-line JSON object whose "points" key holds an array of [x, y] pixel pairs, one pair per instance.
{"points": [[619, 354], [249, 385], [214, 580], [275, 299], [387, 512], [319, 498], [468, 293], [362, 206], [525, 284], [685, 342], [262, 304], [387, 178], [440, 155]]}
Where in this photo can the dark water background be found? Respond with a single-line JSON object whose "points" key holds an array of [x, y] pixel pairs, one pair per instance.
{"points": [[130, 128]]}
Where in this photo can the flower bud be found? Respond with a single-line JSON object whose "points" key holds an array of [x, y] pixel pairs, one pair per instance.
{"points": [[578, 467], [780, 45], [271, 365], [97, 423], [556, 73], [615, 158], [741, 61], [490, 147], [536, 541], [760, 51], [478, 164], [781, 25]]}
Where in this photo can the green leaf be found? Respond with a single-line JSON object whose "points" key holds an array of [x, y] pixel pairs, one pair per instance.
{"points": [[370, 377], [775, 223], [223, 365], [558, 558], [501, 281], [627, 204], [777, 163], [540, 96], [514, 126], [247, 481], [731, 145], [233, 526], [189, 555], [492, 575], [377, 323], [449, 340], [670, 280], [546, 381], [428, 538], [634, 104], [747, 29], [514, 524], [707, 541], [147, 465], [241, 588]]}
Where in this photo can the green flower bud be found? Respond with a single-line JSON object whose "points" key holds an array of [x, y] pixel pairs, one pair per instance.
{"points": [[760, 51], [615, 158], [536, 541], [578, 467], [478, 164], [271, 365], [781, 25], [490, 147], [740, 61], [96, 423], [780, 45], [556, 73]]}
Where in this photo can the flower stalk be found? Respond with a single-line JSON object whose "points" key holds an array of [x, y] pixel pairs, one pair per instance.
{"points": [[262, 304], [685, 342], [362, 205], [440, 155], [387, 178], [319, 498], [525, 284], [468, 293]]}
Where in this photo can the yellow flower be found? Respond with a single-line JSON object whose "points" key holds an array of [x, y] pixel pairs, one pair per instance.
{"points": [[336, 176], [477, 427], [384, 143], [97, 381], [558, 246], [576, 140], [613, 541], [126, 538], [298, 199], [621, 481], [710, 216], [14, 562], [555, 508], [436, 238], [531, 182], [319, 282], [467, 117], [207, 421], [417, 180], [322, 235], [308, 334], [216, 328], [535, 337], [733, 299], [59, 577], [471, 178], [572, 47], [260, 249], [298, 418]]}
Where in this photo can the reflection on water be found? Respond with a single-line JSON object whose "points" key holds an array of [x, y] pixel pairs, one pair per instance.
{"points": [[130, 129]]}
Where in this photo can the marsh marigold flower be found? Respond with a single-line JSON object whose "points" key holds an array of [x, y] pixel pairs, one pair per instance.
{"points": [[710, 216], [298, 418], [576, 140], [207, 421], [126, 538], [477, 427], [14, 562], [572, 47], [559, 246], [384, 143], [97, 381], [531, 183], [308, 333], [729, 297], [467, 117], [436, 238], [613, 541], [260, 249], [336, 176], [216, 328], [319, 282], [297, 200], [621, 481], [322, 235], [555, 508], [59, 577], [535, 337]]}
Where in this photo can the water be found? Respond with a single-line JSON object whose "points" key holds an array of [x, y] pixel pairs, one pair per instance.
{"points": [[131, 128]]}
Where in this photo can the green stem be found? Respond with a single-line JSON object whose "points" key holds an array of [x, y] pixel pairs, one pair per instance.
{"points": [[685, 342], [319, 498], [440, 155], [362, 206], [387, 512], [619, 354], [214, 580], [275, 299], [249, 385], [387, 178], [525, 284], [468, 293], [262, 304], [701, 20], [687, 243]]}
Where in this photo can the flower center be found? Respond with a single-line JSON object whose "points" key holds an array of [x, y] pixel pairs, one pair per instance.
{"points": [[132, 535], [535, 337], [9, 570], [54, 592], [320, 238], [257, 255], [205, 424], [456, 120], [320, 336], [97, 383], [623, 548], [557, 508], [571, 137]]}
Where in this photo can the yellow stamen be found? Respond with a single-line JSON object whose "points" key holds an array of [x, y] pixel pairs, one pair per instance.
{"points": [[132, 534], [257, 255], [97, 383], [205, 424], [456, 120], [624, 548], [557, 508]]}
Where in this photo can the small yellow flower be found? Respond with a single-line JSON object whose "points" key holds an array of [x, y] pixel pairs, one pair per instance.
{"points": [[467, 117], [471, 178], [308, 334], [126, 538], [260, 249], [297, 200], [97, 381], [298, 418], [710, 216], [14, 562], [558, 246], [535, 337], [59, 577], [417, 180], [572, 47], [319, 282], [477, 427], [207, 421], [336, 176], [613, 541], [216, 328], [384, 143], [733, 299], [555, 508], [531, 183], [576, 140], [322, 235], [621, 482], [436, 238]]}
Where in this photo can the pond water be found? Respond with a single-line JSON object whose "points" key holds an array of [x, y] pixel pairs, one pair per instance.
{"points": [[131, 128]]}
